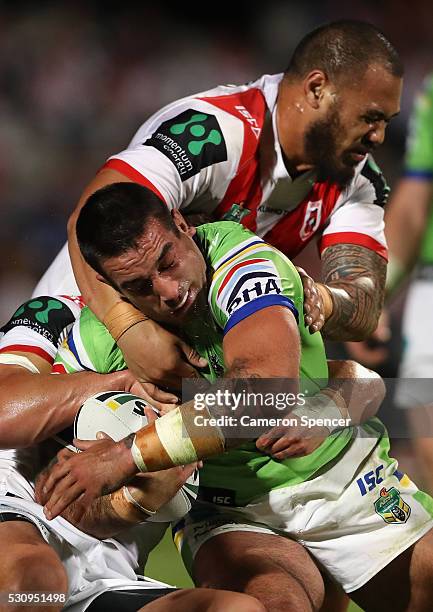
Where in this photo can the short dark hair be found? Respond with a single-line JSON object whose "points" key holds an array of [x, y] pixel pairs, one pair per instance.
{"points": [[114, 218], [343, 49]]}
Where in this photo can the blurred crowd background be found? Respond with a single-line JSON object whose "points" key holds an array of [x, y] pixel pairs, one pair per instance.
{"points": [[78, 78]]}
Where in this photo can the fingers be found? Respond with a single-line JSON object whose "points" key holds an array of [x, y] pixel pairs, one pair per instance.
{"points": [[159, 395], [266, 440], [63, 496], [85, 444], [101, 435], [163, 401], [314, 315], [192, 356], [58, 472], [151, 415]]}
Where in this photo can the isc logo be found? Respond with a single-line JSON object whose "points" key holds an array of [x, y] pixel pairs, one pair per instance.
{"points": [[370, 480], [224, 500]]}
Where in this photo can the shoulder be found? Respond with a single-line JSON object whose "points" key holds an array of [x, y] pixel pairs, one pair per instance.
{"points": [[48, 316], [368, 186]]}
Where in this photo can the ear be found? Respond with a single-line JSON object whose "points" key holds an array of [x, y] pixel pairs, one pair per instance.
{"points": [[316, 85], [181, 223]]}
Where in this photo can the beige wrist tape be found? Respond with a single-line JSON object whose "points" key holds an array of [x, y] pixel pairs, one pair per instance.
{"points": [[121, 317], [131, 499], [175, 439], [328, 304], [125, 509], [327, 407]]}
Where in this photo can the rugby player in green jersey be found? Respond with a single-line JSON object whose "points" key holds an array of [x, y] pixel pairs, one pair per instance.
{"points": [[242, 301]]}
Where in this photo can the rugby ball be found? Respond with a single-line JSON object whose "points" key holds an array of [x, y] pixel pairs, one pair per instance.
{"points": [[119, 414]]}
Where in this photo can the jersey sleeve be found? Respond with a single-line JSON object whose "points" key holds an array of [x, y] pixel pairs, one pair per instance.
{"points": [[39, 325], [359, 215], [419, 146], [253, 276], [88, 347], [188, 149]]}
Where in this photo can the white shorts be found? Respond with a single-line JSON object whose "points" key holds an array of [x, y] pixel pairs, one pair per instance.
{"points": [[59, 278], [93, 566], [417, 358], [354, 518]]}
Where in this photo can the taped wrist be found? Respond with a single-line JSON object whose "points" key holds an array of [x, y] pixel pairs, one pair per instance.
{"points": [[175, 439], [327, 407], [121, 317], [127, 508]]}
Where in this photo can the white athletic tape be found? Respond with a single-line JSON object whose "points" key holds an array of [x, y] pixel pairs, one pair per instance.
{"points": [[174, 439], [138, 459], [129, 497], [19, 360]]}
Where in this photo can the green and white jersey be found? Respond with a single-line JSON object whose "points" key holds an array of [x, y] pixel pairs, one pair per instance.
{"points": [[419, 155], [246, 275]]}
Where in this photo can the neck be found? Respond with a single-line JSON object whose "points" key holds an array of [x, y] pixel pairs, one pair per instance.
{"points": [[291, 122]]}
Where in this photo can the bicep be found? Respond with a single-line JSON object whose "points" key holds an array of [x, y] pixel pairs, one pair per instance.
{"points": [[341, 262], [266, 343]]}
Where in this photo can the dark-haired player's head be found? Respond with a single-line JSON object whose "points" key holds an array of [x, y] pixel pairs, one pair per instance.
{"points": [[130, 238], [351, 78]]}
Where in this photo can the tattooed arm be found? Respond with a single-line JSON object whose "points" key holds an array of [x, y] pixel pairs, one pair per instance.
{"points": [[354, 281]]}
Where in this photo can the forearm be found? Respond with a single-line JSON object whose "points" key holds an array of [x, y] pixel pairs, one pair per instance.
{"points": [[34, 407], [179, 437], [98, 296], [355, 283], [362, 389], [107, 515], [406, 215]]}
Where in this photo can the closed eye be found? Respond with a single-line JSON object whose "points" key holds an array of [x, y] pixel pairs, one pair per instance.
{"points": [[139, 286]]}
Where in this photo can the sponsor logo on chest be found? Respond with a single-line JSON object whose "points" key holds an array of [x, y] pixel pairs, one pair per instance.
{"points": [[252, 288]]}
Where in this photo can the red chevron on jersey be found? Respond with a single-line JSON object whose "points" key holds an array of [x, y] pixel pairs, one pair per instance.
{"points": [[244, 189], [250, 183], [297, 227]]}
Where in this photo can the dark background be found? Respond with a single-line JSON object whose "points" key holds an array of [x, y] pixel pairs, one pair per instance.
{"points": [[77, 79]]}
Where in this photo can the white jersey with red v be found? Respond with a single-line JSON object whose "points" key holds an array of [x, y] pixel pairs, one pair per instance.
{"points": [[218, 152]]}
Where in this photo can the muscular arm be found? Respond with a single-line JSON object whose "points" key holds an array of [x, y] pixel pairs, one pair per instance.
{"points": [[34, 407], [406, 215], [363, 390], [355, 279], [176, 438], [98, 296], [110, 514]]}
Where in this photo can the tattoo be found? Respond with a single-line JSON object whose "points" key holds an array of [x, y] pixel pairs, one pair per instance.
{"points": [[240, 369], [356, 277]]}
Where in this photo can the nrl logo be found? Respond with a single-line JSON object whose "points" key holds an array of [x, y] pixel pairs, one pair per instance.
{"points": [[391, 507], [313, 215]]}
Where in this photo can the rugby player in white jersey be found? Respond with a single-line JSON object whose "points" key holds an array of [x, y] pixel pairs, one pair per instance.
{"points": [[240, 301], [289, 157], [86, 563]]}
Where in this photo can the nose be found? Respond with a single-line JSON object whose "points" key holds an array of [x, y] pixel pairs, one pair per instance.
{"points": [[167, 290], [376, 134]]}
